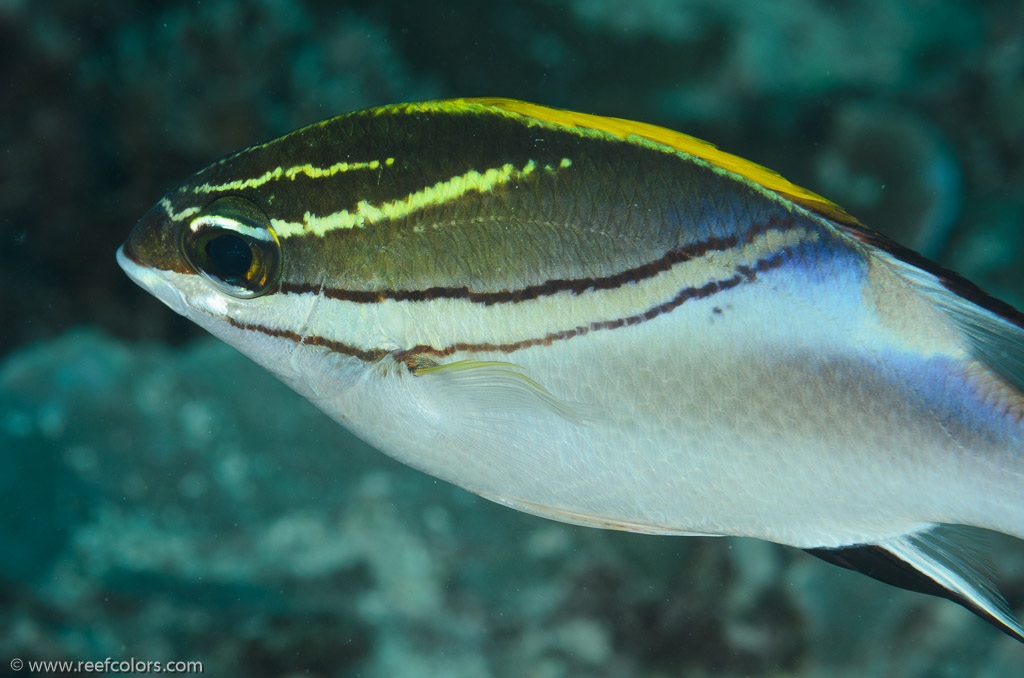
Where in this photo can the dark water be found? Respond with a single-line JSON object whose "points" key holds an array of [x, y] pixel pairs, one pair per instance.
{"points": [[150, 510]]}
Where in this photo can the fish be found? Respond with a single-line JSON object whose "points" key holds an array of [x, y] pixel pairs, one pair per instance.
{"points": [[612, 324]]}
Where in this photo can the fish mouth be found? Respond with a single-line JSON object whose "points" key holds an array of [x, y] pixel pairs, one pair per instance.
{"points": [[150, 279], [126, 253], [130, 264]]}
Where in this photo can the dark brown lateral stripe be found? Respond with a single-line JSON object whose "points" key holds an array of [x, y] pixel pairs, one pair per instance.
{"points": [[743, 274], [576, 286], [370, 356]]}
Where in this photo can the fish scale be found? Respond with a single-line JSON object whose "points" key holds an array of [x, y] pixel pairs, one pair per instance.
{"points": [[609, 323]]}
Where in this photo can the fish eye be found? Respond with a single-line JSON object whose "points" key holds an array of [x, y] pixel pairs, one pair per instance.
{"points": [[232, 244]]}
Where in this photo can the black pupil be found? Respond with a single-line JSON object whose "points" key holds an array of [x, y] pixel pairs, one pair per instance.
{"points": [[231, 257]]}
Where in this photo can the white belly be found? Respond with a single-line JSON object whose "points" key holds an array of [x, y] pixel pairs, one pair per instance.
{"points": [[709, 422]]}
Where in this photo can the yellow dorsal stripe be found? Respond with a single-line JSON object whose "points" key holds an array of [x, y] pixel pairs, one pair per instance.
{"points": [[366, 214], [683, 143], [178, 216], [292, 172]]}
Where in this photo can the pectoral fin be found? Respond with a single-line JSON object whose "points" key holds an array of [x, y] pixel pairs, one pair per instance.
{"points": [[495, 412], [941, 562], [490, 385]]}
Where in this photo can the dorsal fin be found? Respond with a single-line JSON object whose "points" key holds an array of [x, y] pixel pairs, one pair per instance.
{"points": [[948, 279], [993, 328]]}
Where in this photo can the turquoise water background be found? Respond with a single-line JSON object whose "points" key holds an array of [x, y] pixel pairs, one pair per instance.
{"points": [[164, 499]]}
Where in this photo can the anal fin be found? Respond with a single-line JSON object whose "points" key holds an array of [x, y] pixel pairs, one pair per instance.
{"points": [[940, 562]]}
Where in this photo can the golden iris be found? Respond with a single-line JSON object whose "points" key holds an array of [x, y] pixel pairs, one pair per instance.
{"points": [[232, 244]]}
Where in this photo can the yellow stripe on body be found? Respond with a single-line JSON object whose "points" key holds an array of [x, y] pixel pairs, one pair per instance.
{"points": [[440, 193], [292, 172], [602, 127], [178, 216], [660, 138]]}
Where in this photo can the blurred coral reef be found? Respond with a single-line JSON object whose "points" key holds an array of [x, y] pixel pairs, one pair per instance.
{"points": [[152, 512]]}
